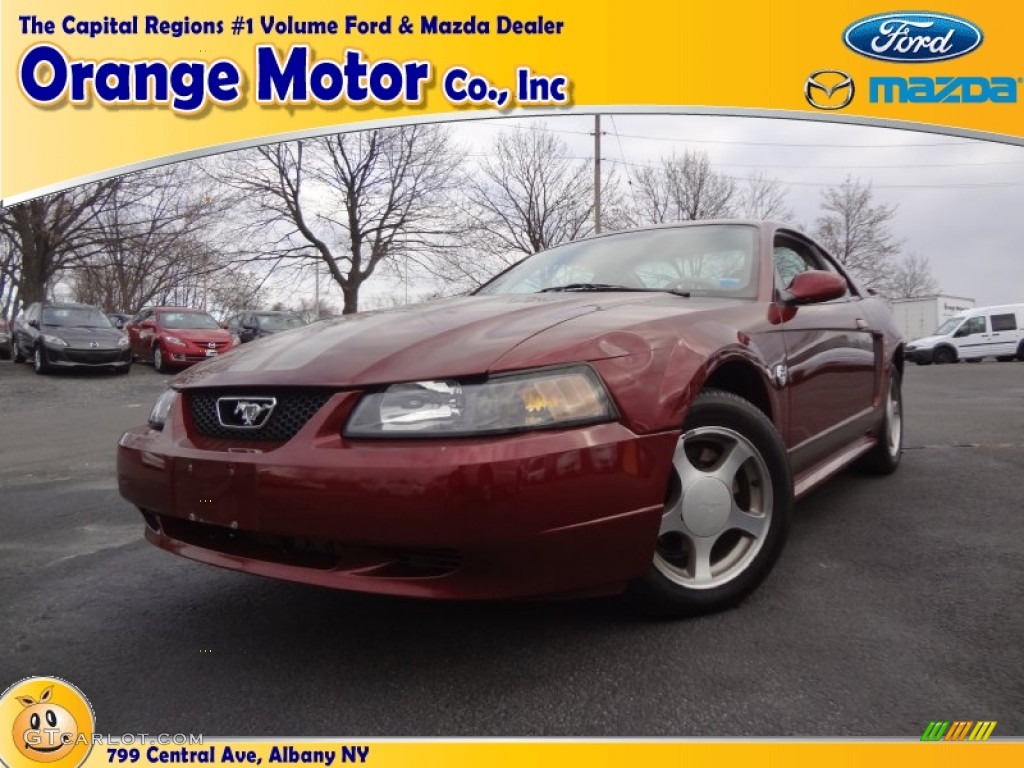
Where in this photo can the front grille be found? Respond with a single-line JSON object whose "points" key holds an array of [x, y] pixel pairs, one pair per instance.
{"points": [[94, 356], [294, 408]]}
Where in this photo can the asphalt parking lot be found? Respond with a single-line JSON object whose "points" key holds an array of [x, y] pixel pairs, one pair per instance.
{"points": [[897, 601]]}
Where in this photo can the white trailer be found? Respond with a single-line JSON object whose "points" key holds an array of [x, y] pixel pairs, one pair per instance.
{"points": [[917, 318]]}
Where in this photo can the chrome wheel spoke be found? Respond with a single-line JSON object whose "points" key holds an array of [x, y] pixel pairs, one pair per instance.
{"points": [[684, 468], [736, 457], [699, 559], [751, 524], [672, 519]]}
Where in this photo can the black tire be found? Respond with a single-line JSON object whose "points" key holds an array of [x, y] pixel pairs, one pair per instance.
{"points": [[39, 364], [158, 360], [944, 355], [884, 458], [1020, 352], [666, 591], [1006, 358], [923, 362]]}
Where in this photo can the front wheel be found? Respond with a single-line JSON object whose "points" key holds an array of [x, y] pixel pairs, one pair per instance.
{"points": [[39, 363], [158, 360], [944, 356], [727, 510]]}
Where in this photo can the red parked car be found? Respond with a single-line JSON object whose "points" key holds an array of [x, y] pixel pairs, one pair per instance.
{"points": [[174, 337], [633, 412]]}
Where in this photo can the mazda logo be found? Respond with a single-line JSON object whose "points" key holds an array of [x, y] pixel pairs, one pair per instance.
{"points": [[244, 412], [829, 89]]}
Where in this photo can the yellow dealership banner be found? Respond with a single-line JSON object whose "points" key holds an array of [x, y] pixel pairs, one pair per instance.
{"points": [[93, 88]]}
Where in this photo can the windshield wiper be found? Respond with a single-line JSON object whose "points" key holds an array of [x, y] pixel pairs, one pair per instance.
{"points": [[609, 288]]}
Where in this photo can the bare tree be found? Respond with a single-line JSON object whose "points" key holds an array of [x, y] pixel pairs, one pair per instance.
{"points": [[52, 232], [764, 197], [529, 195], [352, 201], [148, 241], [682, 189], [911, 278], [858, 232]]}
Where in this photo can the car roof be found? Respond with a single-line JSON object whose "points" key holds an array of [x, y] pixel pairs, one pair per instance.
{"points": [[769, 225]]}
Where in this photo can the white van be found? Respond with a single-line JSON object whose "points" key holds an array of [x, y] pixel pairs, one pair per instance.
{"points": [[973, 334]]}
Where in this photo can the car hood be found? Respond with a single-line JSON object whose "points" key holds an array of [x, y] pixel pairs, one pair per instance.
{"points": [[74, 335], [443, 339]]}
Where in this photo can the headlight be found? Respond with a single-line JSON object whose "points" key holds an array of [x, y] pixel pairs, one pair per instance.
{"points": [[54, 340], [158, 415], [553, 398], [123, 341], [174, 340]]}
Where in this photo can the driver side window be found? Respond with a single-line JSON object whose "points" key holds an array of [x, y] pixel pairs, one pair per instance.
{"points": [[972, 326]]}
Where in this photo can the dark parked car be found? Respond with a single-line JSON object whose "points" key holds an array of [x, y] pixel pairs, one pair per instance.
{"points": [[5, 340], [175, 337], [633, 412], [63, 335], [255, 324]]}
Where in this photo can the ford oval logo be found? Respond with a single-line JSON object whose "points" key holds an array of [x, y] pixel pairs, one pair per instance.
{"points": [[912, 37]]}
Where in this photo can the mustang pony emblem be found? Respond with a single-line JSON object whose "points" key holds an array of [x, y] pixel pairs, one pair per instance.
{"points": [[250, 412], [244, 412]]}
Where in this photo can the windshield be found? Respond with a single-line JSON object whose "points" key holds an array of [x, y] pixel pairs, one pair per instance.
{"points": [[78, 317], [277, 322], [704, 260], [199, 320], [948, 327]]}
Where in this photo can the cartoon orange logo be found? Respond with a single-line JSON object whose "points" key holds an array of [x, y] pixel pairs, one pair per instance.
{"points": [[50, 722]]}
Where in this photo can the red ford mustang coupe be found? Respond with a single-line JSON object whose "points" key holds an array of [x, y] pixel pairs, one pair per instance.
{"points": [[633, 412]]}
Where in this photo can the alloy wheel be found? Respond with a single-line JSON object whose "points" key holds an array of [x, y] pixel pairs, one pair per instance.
{"points": [[719, 509]]}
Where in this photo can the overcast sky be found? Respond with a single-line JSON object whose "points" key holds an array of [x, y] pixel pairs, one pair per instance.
{"points": [[960, 202]]}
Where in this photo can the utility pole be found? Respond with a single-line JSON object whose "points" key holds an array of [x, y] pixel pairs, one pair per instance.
{"points": [[597, 174]]}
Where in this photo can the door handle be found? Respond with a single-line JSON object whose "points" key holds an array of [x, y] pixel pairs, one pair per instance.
{"points": [[861, 324]]}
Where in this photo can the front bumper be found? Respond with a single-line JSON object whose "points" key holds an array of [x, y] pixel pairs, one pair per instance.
{"points": [[72, 357], [567, 512], [192, 353], [920, 355]]}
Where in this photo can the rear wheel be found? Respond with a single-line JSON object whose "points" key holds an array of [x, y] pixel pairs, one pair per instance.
{"points": [[944, 355], [1006, 358], [726, 513], [884, 458]]}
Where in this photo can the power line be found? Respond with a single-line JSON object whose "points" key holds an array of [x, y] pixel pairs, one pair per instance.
{"points": [[676, 139], [944, 185]]}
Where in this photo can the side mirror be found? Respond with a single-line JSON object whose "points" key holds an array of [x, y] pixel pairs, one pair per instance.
{"points": [[962, 331], [815, 286], [223, 325], [34, 323], [147, 324]]}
